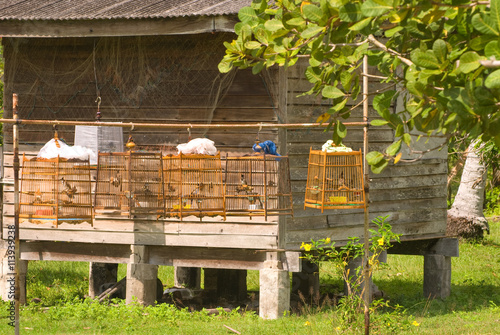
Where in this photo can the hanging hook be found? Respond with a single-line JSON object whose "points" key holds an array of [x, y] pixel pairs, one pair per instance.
{"points": [[98, 114], [257, 140]]}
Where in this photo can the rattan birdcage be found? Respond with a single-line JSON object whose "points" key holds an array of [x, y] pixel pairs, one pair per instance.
{"points": [[129, 183], [335, 180], [57, 190], [193, 185], [258, 185]]}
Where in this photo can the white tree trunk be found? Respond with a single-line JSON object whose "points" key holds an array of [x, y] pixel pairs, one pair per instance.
{"points": [[469, 200]]}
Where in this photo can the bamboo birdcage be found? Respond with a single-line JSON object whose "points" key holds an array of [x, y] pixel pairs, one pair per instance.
{"points": [[335, 180], [193, 185], [129, 183], [57, 190], [258, 186]]}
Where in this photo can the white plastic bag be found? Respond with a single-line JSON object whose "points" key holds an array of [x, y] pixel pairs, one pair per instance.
{"points": [[56, 147], [329, 146], [200, 146]]}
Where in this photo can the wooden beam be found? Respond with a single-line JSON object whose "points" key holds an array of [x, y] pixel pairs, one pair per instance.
{"points": [[118, 27]]}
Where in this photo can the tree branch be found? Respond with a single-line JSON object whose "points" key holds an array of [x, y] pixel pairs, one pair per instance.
{"points": [[380, 45]]}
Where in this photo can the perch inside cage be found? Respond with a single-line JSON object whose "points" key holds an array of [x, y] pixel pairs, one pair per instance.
{"points": [[129, 183], [335, 180], [258, 186], [56, 189], [193, 185]]}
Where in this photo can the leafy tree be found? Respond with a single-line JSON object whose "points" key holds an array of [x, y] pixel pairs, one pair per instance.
{"points": [[437, 54]]}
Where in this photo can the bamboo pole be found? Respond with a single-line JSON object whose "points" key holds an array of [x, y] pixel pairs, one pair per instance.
{"points": [[17, 294], [366, 267], [135, 125]]}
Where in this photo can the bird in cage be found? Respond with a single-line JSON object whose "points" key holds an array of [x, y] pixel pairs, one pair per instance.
{"points": [[131, 196], [243, 187], [170, 188], [146, 190], [38, 197], [68, 189], [196, 193], [115, 181]]}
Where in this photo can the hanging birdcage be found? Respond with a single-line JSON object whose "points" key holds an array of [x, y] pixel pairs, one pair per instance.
{"points": [[258, 185], [129, 183], [193, 185], [335, 180], [56, 189]]}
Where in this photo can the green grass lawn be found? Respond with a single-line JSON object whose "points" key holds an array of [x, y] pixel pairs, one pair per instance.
{"points": [[472, 308]]}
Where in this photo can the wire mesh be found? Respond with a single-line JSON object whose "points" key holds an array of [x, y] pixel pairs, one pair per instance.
{"points": [[335, 180], [57, 190]]}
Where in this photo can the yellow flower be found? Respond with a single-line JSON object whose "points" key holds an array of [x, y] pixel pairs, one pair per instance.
{"points": [[381, 241], [415, 323], [307, 323], [307, 246], [327, 240]]}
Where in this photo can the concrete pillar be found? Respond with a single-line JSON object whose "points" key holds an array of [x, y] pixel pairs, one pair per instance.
{"points": [[437, 276], [274, 296], [141, 277], [187, 277], [99, 274], [306, 283]]}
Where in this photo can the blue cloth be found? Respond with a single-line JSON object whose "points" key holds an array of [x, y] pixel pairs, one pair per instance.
{"points": [[267, 147]]}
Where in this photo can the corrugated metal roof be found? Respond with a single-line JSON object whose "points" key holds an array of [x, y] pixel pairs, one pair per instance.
{"points": [[114, 9]]}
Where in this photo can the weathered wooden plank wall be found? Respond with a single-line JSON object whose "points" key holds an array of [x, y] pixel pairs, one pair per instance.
{"points": [[412, 194], [56, 79]]}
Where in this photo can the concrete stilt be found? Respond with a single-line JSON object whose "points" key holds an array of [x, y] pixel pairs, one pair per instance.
{"points": [[99, 274], [306, 282], [187, 277], [437, 276], [274, 296], [22, 270], [141, 278]]}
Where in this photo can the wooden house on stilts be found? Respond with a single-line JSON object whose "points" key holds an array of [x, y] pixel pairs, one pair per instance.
{"points": [[155, 62]]}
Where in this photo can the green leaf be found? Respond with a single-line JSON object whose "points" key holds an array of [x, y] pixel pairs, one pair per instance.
{"points": [[393, 148], [382, 102], [273, 25], [252, 45], [313, 74], [440, 50], [378, 122], [311, 31], [425, 59], [248, 15], [258, 67], [492, 49], [225, 66], [350, 12], [332, 92], [374, 157], [361, 24], [392, 31], [340, 129], [485, 24], [372, 8], [469, 61], [493, 80], [296, 21], [407, 139], [379, 167], [312, 12]]}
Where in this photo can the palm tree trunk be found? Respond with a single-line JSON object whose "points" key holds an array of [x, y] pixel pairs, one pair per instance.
{"points": [[465, 217]]}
